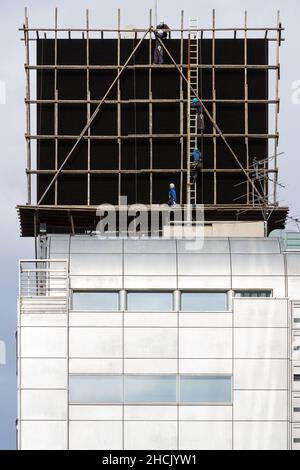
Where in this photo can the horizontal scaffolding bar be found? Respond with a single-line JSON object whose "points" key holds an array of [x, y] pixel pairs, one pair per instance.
{"points": [[152, 66], [157, 101], [29, 39], [146, 136], [91, 208], [144, 30], [150, 170]]}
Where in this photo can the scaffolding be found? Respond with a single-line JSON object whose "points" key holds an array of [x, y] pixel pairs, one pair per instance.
{"points": [[263, 202]]}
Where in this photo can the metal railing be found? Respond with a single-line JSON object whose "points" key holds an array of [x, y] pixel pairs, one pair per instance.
{"points": [[43, 278]]}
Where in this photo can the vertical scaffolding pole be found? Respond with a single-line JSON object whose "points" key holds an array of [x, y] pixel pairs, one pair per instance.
{"points": [[277, 107], [28, 111], [214, 106], [150, 110], [88, 94], [55, 108], [119, 111], [246, 101], [181, 112]]}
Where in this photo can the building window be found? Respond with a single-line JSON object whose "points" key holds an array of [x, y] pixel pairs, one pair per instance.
{"points": [[150, 389], [96, 389], [95, 300], [203, 301], [252, 293], [205, 389], [150, 301]]}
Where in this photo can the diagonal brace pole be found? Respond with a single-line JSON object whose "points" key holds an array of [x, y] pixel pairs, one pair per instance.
{"points": [[215, 125], [90, 121]]}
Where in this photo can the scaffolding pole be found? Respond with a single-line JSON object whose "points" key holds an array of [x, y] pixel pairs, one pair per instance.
{"points": [[28, 111]]}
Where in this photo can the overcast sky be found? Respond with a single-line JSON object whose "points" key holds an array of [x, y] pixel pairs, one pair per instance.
{"points": [[12, 117]]}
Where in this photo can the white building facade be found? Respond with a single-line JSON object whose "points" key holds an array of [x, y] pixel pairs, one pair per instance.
{"points": [[145, 344]]}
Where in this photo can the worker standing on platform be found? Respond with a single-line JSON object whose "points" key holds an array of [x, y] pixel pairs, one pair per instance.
{"points": [[161, 33], [172, 195], [196, 103]]}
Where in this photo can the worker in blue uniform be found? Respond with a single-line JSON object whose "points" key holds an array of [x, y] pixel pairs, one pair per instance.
{"points": [[172, 195], [196, 164], [196, 157], [196, 104]]}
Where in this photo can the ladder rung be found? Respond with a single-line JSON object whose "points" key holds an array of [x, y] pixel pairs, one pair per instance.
{"points": [[194, 60]]}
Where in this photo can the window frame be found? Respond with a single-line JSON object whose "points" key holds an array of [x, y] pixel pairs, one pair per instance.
{"points": [[209, 291], [177, 401], [235, 291], [154, 291], [152, 403], [96, 403], [95, 291], [209, 403]]}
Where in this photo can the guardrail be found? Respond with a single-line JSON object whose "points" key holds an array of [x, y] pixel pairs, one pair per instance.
{"points": [[43, 278]]}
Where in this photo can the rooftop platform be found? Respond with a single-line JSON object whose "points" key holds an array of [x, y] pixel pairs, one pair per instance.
{"points": [[84, 219]]}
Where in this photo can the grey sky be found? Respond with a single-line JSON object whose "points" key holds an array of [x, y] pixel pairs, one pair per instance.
{"points": [[12, 118]]}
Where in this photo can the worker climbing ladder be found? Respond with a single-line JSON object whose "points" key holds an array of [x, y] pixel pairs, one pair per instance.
{"points": [[194, 61]]}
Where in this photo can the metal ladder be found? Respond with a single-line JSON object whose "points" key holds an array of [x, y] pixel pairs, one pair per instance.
{"points": [[194, 60]]}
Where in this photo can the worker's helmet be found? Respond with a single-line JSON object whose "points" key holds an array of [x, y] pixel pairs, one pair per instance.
{"points": [[195, 100], [172, 185]]}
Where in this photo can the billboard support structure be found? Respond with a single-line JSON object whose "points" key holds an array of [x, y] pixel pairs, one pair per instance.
{"points": [[264, 202]]}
